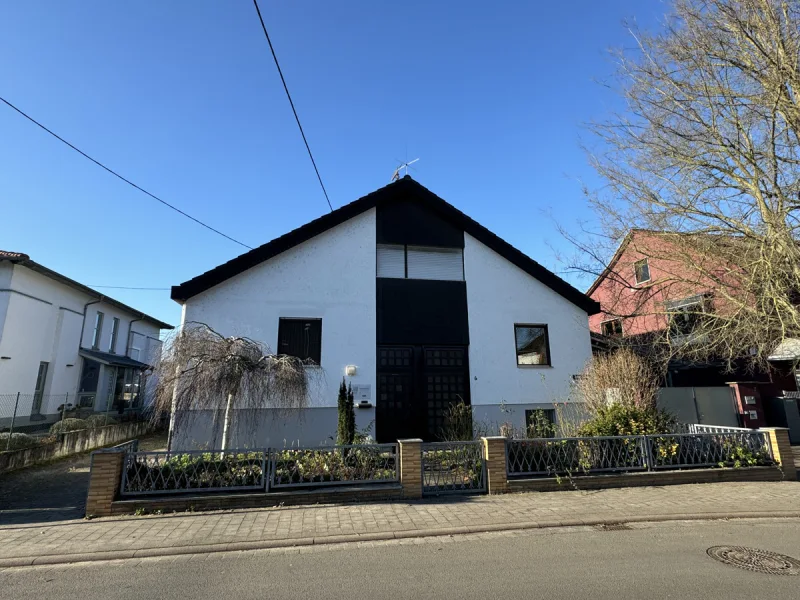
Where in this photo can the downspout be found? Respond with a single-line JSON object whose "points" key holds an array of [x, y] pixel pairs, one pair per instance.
{"points": [[142, 376], [130, 333]]}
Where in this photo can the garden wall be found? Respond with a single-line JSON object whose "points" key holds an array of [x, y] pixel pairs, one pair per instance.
{"points": [[70, 443], [651, 478]]}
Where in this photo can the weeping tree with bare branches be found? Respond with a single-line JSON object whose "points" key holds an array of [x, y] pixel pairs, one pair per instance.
{"points": [[202, 370], [706, 160]]}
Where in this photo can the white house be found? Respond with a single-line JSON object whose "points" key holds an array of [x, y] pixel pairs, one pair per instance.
{"points": [[410, 299], [62, 342]]}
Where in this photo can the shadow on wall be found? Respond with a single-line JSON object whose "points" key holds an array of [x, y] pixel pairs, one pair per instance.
{"points": [[262, 428]]}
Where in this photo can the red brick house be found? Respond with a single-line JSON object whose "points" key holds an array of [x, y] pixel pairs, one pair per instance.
{"points": [[648, 288]]}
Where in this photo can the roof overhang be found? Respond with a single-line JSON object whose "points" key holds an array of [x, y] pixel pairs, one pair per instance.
{"points": [[113, 360], [18, 258], [405, 189]]}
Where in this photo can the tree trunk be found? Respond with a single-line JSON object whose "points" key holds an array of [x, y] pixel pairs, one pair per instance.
{"points": [[226, 426]]}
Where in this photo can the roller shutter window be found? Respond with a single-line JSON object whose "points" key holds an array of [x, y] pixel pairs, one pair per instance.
{"points": [[443, 264], [391, 261]]}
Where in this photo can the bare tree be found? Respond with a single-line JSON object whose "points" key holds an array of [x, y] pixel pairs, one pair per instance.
{"points": [[200, 369], [621, 376], [707, 155]]}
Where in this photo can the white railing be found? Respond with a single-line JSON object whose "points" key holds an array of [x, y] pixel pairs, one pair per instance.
{"points": [[697, 428]]}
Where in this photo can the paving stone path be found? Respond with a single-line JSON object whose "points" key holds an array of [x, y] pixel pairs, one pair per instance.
{"points": [[240, 529]]}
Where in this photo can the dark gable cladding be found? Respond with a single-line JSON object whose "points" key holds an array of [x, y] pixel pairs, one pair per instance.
{"points": [[405, 189]]}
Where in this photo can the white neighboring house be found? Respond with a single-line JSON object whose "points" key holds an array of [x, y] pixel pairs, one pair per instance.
{"points": [[415, 303], [61, 341]]}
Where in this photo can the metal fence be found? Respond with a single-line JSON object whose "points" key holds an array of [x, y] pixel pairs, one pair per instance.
{"points": [[536, 457], [182, 472], [729, 449], [35, 414], [333, 465], [552, 456], [31, 413], [453, 467]]}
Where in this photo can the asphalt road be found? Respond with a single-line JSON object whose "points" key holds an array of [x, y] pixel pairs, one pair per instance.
{"points": [[652, 561]]}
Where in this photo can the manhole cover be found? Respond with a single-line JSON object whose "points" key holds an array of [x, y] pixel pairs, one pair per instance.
{"points": [[753, 559]]}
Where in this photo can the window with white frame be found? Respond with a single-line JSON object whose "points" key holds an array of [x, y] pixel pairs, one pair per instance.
{"points": [[611, 328], [112, 344], [98, 330], [686, 315], [641, 269]]}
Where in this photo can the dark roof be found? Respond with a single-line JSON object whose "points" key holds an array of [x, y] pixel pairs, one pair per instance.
{"points": [[403, 189], [19, 258], [115, 360]]}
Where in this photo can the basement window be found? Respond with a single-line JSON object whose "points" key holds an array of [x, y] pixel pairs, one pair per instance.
{"points": [[301, 338]]}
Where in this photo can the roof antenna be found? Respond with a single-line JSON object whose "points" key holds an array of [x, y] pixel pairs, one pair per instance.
{"points": [[396, 175]]}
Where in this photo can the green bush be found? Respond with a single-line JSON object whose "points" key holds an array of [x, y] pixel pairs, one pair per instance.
{"points": [[18, 441], [195, 471], [368, 462], [618, 419], [96, 421], [69, 425]]}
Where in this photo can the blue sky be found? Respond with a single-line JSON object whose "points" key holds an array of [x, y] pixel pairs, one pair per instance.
{"points": [[184, 99]]}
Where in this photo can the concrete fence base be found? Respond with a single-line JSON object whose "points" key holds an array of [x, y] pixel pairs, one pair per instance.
{"points": [[74, 442]]}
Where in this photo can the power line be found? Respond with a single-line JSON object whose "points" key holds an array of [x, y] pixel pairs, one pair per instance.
{"points": [[125, 287], [115, 174], [288, 95]]}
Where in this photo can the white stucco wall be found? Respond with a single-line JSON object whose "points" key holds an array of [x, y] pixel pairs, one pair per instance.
{"points": [[499, 294], [331, 277], [5, 285]]}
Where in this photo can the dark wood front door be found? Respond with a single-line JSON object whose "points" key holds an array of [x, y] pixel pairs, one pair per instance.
{"points": [[416, 386]]}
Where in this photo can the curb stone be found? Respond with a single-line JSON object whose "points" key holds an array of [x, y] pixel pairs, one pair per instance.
{"points": [[58, 559]]}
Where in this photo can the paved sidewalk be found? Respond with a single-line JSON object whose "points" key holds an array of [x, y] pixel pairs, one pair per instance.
{"points": [[129, 537]]}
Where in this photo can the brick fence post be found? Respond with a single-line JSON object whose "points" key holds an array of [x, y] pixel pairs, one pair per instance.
{"points": [[104, 481], [411, 467], [495, 456], [778, 438]]}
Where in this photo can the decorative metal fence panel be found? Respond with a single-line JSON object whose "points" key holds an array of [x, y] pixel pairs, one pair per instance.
{"points": [[537, 457], [729, 449], [192, 471], [333, 465], [560, 456], [453, 467]]}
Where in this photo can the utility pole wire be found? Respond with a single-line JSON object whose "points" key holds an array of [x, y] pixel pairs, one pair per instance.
{"points": [[125, 287], [115, 174], [289, 96]]}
